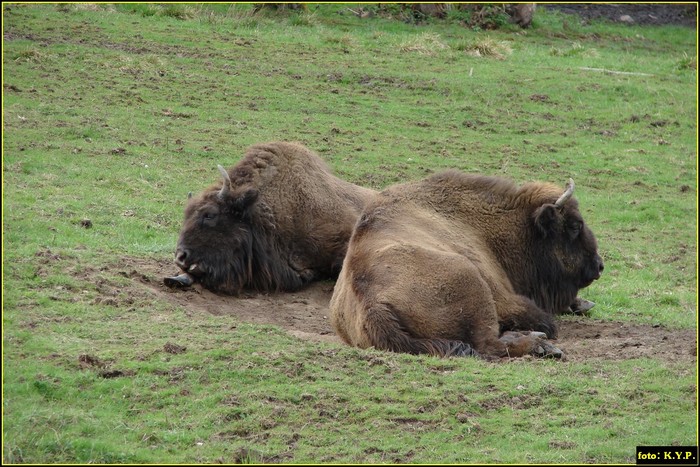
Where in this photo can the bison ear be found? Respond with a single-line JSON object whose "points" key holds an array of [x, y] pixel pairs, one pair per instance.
{"points": [[245, 199], [547, 219]]}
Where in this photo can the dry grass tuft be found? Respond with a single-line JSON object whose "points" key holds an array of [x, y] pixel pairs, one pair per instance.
{"points": [[575, 49], [93, 7], [424, 44], [487, 47]]}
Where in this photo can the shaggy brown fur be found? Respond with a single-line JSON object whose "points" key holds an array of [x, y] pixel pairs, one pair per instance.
{"points": [[282, 221], [447, 265]]}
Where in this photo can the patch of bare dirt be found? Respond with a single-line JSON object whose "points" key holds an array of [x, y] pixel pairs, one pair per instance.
{"points": [[304, 314], [654, 14], [585, 338]]}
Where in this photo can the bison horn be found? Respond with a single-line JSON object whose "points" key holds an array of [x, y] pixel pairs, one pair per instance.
{"points": [[225, 188], [567, 194]]}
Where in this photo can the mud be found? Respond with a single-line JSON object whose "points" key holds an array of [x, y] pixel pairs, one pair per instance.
{"points": [[304, 314]]}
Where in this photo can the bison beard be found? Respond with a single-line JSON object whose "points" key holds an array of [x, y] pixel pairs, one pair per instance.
{"points": [[278, 220], [459, 265]]}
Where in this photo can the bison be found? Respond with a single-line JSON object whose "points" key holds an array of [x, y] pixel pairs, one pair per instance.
{"points": [[278, 220], [461, 264]]}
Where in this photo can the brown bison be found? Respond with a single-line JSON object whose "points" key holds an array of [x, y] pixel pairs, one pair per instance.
{"points": [[278, 220], [456, 264]]}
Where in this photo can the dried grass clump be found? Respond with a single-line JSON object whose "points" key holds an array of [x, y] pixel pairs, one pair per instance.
{"points": [[575, 49], [93, 7], [488, 47], [424, 44]]}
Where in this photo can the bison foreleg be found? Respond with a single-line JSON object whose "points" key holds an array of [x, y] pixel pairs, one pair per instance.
{"points": [[304, 273], [581, 306], [183, 280], [529, 343]]}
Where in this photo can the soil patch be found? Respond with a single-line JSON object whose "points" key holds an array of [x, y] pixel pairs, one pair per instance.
{"points": [[657, 14], [304, 314]]}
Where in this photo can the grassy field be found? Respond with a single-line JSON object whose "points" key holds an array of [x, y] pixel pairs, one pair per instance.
{"points": [[113, 113]]}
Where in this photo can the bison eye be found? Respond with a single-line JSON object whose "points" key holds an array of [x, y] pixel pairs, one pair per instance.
{"points": [[575, 229], [209, 219]]}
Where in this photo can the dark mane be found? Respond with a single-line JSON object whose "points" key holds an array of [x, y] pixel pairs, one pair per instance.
{"points": [[256, 264], [545, 285], [269, 271]]}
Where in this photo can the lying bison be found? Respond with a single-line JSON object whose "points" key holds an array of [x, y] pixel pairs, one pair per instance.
{"points": [[278, 220], [456, 264]]}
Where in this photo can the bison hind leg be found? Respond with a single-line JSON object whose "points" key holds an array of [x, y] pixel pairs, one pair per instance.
{"points": [[529, 343], [581, 306], [385, 331]]}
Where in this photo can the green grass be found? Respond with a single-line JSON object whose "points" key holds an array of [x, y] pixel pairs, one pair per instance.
{"points": [[113, 113]]}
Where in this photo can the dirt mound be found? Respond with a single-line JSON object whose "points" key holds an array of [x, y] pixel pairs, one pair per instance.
{"points": [[304, 314]]}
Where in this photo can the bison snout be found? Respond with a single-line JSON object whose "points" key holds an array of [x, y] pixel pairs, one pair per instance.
{"points": [[601, 266], [181, 257], [592, 272], [598, 268]]}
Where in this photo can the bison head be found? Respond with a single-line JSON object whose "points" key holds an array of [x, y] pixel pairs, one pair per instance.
{"points": [[567, 253], [216, 240]]}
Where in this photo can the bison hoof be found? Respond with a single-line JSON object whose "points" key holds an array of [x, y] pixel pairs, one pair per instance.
{"points": [[183, 280], [534, 343], [581, 306], [546, 350]]}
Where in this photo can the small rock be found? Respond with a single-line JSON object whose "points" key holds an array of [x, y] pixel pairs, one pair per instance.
{"points": [[626, 19]]}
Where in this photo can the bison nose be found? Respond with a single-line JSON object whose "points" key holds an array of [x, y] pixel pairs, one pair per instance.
{"points": [[181, 256], [601, 266]]}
